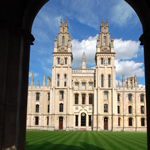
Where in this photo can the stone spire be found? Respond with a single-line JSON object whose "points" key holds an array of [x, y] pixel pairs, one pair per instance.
{"points": [[48, 81], [118, 84], [123, 81], [83, 61], [135, 80], [44, 80], [32, 79]]}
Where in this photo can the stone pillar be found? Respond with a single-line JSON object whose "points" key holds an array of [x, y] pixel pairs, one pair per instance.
{"points": [[145, 40]]}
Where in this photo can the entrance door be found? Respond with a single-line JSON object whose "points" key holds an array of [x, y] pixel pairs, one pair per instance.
{"points": [[60, 123], [105, 123]]}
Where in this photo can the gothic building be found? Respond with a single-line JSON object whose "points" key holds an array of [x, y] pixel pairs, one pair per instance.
{"points": [[86, 98]]}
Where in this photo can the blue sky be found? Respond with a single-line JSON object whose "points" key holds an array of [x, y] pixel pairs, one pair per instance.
{"points": [[84, 18]]}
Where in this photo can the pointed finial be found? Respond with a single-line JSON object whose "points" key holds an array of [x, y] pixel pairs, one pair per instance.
{"points": [[61, 21], [102, 21], [32, 79], [66, 20], [118, 84], [106, 20], [56, 38], [83, 57], [38, 84], [44, 80]]}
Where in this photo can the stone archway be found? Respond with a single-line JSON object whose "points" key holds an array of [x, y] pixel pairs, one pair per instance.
{"points": [[16, 20]]}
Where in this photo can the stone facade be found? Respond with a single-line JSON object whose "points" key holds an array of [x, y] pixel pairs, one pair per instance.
{"points": [[86, 98]]}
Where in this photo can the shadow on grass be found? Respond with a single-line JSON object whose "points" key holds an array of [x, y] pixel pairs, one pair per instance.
{"points": [[46, 145]]}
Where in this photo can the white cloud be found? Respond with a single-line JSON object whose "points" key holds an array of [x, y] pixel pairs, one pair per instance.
{"points": [[34, 74], [141, 85], [88, 46], [126, 49], [123, 14], [129, 68]]}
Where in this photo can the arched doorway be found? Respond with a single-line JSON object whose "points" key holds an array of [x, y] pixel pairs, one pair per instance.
{"points": [[105, 123], [83, 119], [60, 123], [15, 48]]}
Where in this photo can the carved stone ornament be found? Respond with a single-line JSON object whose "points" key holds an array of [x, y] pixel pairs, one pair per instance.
{"points": [[83, 114], [61, 61]]}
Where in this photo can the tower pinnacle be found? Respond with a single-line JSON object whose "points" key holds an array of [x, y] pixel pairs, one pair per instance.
{"points": [[83, 61]]}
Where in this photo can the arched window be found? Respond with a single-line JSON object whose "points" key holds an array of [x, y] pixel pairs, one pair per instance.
{"points": [[37, 108], [58, 80], [105, 41], [108, 61], [47, 120], [61, 96], [65, 80], [102, 80], [58, 61], [36, 120], [65, 61], [60, 107], [142, 109], [83, 85], [76, 86], [130, 98], [142, 97], [130, 109], [90, 86], [83, 98], [105, 95], [63, 40], [142, 121], [76, 98], [130, 121], [118, 109], [102, 61], [48, 108], [118, 97], [37, 96], [48, 96], [90, 98], [105, 107], [118, 121], [108, 80]]}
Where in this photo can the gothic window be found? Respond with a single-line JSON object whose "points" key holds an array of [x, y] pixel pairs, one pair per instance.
{"points": [[105, 107], [76, 120], [63, 40], [61, 94], [118, 109], [108, 61], [65, 80], [142, 121], [105, 95], [83, 98], [142, 109], [48, 96], [48, 108], [37, 108], [102, 80], [102, 61], [105, 41], [130, 109], [37, 96], [60, 107], [118, 121], [58, 80], [76, 98], [83, 119], [36, 120], [65, 61], [90, 86], [83, 85], [47, 120], [118, 97], [90, 120], [90, 98], [130, 121], [76, 86], [58, 61], [130, 98], [142, 97], [108, 80]]}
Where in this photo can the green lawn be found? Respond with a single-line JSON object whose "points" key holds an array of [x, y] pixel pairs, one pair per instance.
{"points": [[71, 140]]}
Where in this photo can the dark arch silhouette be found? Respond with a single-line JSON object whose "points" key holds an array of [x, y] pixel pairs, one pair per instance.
{"points": [[16, 20]]}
